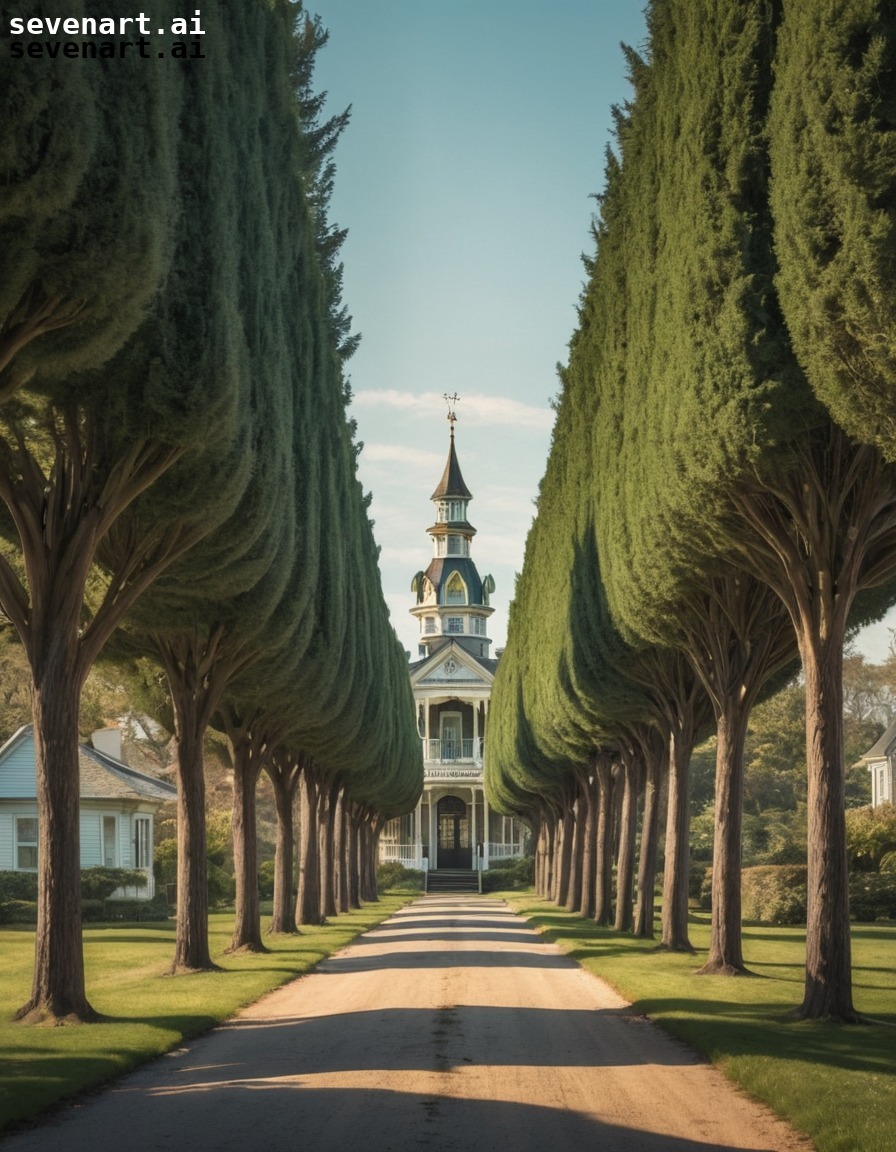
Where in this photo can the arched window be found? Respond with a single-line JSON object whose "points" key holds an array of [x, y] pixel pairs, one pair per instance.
{"points": [[455, 589]]}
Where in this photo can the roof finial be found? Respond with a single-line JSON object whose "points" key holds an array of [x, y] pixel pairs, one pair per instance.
{"points": [[452, 415]]}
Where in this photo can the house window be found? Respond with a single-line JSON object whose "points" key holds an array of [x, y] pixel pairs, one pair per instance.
{"points": [[26, 843], [478, 626], [110, 837], [429, 625], [454, 624], [452, 510], [142, 842]]}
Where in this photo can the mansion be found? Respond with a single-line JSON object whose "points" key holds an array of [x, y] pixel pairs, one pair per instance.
{"points": [[452, 826]]}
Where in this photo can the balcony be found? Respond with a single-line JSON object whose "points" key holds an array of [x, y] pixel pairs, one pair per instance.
{"points": [[453, 751]]}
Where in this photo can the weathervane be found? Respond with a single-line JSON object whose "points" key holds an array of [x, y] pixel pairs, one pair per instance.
{"points": [[452, 415]]}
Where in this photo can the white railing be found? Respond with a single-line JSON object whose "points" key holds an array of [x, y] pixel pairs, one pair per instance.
{"points": [[504, 851], [405, 854], [452, 750]]}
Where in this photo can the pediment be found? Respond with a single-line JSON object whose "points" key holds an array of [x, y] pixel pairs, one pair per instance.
{"points": [[451, 667]]}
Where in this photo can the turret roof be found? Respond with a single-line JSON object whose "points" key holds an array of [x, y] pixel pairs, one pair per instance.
{"points": [[452, 482]]}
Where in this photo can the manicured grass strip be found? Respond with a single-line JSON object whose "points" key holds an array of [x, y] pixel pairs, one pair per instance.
{"points": [[149, 1013], [835, 1083]]}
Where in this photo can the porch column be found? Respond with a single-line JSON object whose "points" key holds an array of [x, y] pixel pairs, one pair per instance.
{"points": [[426, 728], [473, 825], [433, 840], [486, 833], [475, 730], [418, 838]]}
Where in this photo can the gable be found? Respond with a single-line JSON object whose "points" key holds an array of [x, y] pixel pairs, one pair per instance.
{"points": [[17, 767], [451, 667], [101, 776]]}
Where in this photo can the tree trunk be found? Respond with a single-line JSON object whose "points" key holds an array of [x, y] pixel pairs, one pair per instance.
{"points": [[726, 956], [284, 786], [327, 830], [246, 755], [58, 990], [551, 830], [676, 873], [588, 782], [828, 988], [574, 892], [191, 950], [645, 907], [603, 882], [343, 896], [354, 861], [566, 826], [625, 860], [308, 897]]}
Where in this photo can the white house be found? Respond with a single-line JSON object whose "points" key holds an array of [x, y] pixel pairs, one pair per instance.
{"points": [[881, 762], [453, 826], [118, 807]]}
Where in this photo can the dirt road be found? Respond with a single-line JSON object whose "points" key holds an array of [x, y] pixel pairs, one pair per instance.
{"points": [[451, 1026]]}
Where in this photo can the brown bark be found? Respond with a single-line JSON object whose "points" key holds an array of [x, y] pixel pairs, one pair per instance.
{"points": [[566, 829], [58, 989], [343, 863], [726, 940], [284, 774], [354, 860], [327, 853], [196, 680], [625, 858], [676, 872], [588, 785], [246, 749], [603, 881], [828, 987], [308, 896], [655, 770]]}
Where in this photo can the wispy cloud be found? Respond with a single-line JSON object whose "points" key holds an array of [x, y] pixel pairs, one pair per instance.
{"points": [[400, 454], [495, 411]]}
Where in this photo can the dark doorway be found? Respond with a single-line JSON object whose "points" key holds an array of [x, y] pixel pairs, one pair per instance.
{"points": [[454, 834]]}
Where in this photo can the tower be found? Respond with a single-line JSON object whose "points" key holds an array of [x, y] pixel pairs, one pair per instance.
{"points": [[452, 599]]}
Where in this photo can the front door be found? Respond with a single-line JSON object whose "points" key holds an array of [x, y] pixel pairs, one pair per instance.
{"points": [[454, 834]]}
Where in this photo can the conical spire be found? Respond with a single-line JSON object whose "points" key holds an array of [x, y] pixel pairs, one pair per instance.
{"points": [[452, 485]]}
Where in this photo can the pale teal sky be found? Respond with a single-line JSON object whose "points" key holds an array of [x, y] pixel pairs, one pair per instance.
{"points": [[465, 177]]}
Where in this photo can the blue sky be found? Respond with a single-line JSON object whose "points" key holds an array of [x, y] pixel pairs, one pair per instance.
{"points": [[465, 178]]}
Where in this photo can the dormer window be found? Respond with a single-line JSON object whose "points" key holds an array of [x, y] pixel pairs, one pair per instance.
{"points": [[455, 590]]}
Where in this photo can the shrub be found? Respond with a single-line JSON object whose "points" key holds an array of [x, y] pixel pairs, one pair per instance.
{"points": [[512, 872], [872, 896], [137, 910], [775, 893], [18, 886], [266, 879], [391, 874], [704, 896], [697, 873], [100, 883], [18, 912], [93, 911]]}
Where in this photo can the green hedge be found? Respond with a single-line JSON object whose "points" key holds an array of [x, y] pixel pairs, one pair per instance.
{"points": [[512, 872], [872, 896], [18, 912], [776, 894], [391, 874]]}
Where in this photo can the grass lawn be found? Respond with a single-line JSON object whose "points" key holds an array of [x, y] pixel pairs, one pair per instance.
{"points": [[148, 1012], [835, 1083]]}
